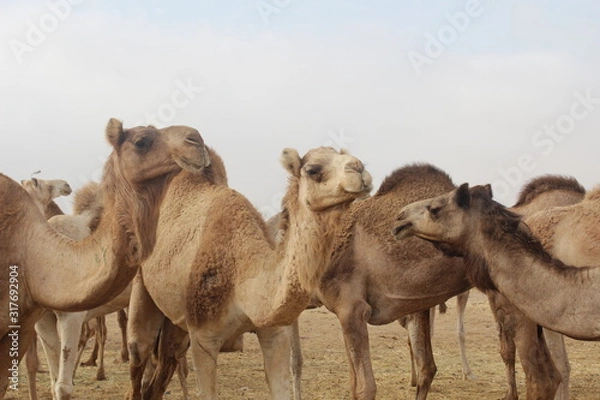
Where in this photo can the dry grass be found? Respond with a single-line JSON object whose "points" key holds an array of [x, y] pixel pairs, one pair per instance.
{"points": [[325, 372]]}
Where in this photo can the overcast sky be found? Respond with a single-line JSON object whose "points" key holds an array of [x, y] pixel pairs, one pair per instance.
{"points": [[490, 91]]}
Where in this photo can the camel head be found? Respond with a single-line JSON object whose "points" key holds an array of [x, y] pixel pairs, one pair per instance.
{"points": [[327, 177], [448, 220], [143, 153], [44, 191]]}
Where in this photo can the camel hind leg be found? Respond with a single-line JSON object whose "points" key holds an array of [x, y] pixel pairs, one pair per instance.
{"points": [[101, 333], [170, 349], [143, 326], [122, 321], [419, 333]]}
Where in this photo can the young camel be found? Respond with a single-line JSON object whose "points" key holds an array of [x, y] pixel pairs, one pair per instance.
{"points": [[219, 273], [144, 160], [502, 254]]}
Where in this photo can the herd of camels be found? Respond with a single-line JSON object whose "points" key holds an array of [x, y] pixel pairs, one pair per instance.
{"points": [[196, 265]]}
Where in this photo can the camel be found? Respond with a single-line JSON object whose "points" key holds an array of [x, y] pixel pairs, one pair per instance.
{"points": [[43, 192], [503, 255], [216, 272], [518, 331], [143, 162]]}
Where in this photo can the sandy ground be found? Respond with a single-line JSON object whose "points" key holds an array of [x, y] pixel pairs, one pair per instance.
{"points": [[325, 373]]}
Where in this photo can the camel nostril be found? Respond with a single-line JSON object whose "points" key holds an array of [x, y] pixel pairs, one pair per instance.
{"points": [[356, 166], [194, 139]]}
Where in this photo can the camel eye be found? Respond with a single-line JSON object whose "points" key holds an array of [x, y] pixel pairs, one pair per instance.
{"points": [[313, 170], [434, 211], [143, 144]]}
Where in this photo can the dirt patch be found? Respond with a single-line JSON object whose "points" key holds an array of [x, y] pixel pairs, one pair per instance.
{"points": [[325, 373]]}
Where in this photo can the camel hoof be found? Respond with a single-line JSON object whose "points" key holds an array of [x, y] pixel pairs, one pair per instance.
{"points": [[89, 364], [469, 376], [100, 376]]}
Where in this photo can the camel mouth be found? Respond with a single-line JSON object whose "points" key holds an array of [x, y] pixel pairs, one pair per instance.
{"points": [[402, 230], [189, 165]]}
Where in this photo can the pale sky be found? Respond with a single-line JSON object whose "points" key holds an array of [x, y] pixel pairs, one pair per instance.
{"points": [[490, 91]]}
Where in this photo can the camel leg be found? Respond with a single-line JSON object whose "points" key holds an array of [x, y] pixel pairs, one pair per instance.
{"points": [[541, 375], [122, 320], [172, 345], [205, 349], [9, 372], [461, 305], [297, 359], [47, 332], [556, 344], [91, 361], [33, 363], [143, 326], [69, 328], [403, 321], [182, 373], [275, 345], [506, 332], [419, 333], [353, 319], [101, 333]]}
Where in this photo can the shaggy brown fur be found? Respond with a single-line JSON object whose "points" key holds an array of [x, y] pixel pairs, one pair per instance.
{"points": [[411, 174], [547, 183]]}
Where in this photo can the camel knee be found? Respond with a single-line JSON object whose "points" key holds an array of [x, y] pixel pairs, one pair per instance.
{"points": [[139, 352]]}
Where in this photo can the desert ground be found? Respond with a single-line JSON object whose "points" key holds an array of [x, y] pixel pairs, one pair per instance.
{"points": [[325, 373]]}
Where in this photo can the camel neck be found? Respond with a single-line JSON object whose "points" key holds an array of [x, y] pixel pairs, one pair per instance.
{"points": [[300, 260], [559, 297]]}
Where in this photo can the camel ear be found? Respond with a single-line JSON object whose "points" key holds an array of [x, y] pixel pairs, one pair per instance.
{"points": [[488, 190], [290, 159], [462, 197], [344, 151], [34, 182], [115, 133]]}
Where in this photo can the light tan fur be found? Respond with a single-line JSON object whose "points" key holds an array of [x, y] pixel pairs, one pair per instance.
{"points": [[217, 272], [143, 161]]}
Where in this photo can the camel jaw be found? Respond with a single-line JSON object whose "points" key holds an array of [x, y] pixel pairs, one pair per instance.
{"points": [[189, 165], [403, 230]]}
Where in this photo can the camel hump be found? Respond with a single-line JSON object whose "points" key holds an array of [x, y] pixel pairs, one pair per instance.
{"points": [[593, 194], [413, 173], [548, 183]]}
